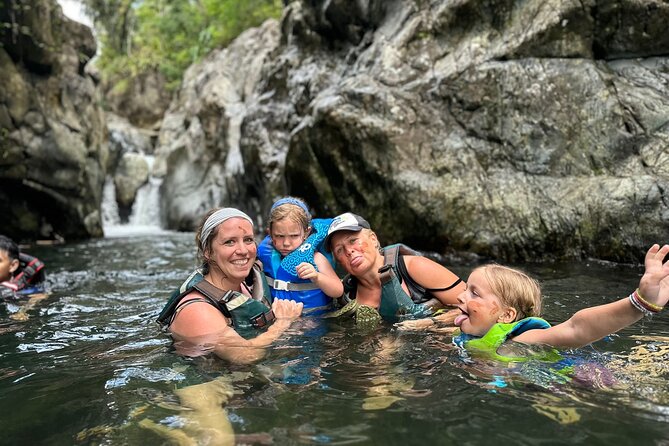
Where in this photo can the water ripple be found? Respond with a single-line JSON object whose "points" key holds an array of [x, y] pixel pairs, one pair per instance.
{"points": [[144, 373]]}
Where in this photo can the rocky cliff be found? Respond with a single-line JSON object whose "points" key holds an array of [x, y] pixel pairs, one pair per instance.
{"points": [[53, 142], [519, 130]]}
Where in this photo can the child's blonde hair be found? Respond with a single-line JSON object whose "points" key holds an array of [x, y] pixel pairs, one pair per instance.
{"points": [[514, 289], [293, 208]]}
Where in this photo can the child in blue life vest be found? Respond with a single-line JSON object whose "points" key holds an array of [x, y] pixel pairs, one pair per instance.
{"points": [[21, 276], [293, 257], [502, 304]]}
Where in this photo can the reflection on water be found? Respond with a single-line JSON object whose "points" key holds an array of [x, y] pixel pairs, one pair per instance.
{"points": [[90, 366]]}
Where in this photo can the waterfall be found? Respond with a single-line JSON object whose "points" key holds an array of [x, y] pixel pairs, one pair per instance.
{"points": [[146, 209], [144, 215], [109, 207]]}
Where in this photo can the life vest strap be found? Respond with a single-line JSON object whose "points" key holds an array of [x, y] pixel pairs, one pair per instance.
{"points": [[282, 285], [215, 294], [223, 297], [386, 273]]}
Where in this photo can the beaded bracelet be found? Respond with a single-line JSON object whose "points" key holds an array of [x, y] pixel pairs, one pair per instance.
{"points": [[641, 304], [651, 306], [638, 306]]}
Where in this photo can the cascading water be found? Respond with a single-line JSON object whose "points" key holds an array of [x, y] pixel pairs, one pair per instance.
{"points": [[145, 214]]}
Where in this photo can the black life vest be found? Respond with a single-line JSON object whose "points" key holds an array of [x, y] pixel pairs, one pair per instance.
{"points": [[242, 311]]}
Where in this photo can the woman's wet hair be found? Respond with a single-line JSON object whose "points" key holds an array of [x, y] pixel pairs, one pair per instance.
{"points": [[514, 289], [292, 208], [204, 246]]}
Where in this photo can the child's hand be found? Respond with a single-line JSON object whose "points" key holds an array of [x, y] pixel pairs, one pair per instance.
{"points": [[307, 271], [654, 285]]}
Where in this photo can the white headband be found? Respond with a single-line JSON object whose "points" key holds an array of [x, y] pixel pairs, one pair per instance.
{"points": [[216, 219]]}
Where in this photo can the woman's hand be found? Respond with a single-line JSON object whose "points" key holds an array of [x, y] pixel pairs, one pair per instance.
{"points": [[287, 309], [446, 318], [415, 324]]}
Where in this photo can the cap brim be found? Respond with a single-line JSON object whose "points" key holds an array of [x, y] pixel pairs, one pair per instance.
{"points": [[328, 239]]}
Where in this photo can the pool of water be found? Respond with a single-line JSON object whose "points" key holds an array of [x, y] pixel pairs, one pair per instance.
{"points": [[90, 366]]}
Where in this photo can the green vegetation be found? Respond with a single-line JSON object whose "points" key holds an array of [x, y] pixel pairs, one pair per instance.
{"points": [[168, 35]]}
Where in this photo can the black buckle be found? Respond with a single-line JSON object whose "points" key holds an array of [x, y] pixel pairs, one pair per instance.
{"points": [[263, 319]]}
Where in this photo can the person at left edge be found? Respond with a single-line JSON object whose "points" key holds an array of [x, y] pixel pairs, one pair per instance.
{"points": [[293, 257], [21, 275], [225, 305]]}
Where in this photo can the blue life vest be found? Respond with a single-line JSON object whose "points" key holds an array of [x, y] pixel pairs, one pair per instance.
{"points": [[282, 275]]}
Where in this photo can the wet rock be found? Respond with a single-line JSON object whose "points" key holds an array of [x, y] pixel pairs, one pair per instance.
{"points": [[131, 173], [515, 130], [52, 136]]}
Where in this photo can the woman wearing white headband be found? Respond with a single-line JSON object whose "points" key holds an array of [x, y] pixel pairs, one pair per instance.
{"points": [[226, 297]]}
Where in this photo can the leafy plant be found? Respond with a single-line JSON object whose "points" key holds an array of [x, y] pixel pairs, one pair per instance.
{"points": [[169, 35]]}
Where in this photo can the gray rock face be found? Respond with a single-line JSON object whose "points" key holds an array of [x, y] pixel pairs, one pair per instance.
{"points": [[131, 174], [199, 148], [516, 130], [142, 99], [52, 133]]}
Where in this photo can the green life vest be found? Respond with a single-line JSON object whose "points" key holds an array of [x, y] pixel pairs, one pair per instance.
{"points": [[244, 312], [489, 344], [395, 302]]}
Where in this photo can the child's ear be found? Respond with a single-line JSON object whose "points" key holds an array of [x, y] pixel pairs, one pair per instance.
{"points": [[508, 315], [14, 265]]}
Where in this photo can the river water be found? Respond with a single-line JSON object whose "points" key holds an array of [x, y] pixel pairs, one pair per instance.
{"points": [[90, 366]]}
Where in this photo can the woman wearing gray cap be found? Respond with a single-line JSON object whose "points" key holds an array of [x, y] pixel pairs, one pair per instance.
{"points": [[227, 297], [386, 282]]}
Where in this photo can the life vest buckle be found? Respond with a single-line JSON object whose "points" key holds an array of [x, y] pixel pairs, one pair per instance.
{"points": [[281, 285], [262, 320]]}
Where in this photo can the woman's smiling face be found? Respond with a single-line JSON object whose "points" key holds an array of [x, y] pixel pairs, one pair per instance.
{"points": [[233, 249]]}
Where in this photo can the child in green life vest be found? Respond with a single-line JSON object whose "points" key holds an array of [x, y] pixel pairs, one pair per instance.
{"points": [[502, 304]]}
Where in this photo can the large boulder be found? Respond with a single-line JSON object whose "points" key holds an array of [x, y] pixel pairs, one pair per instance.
{"points": [[141, 99], [52, 131], [519, 130]]}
